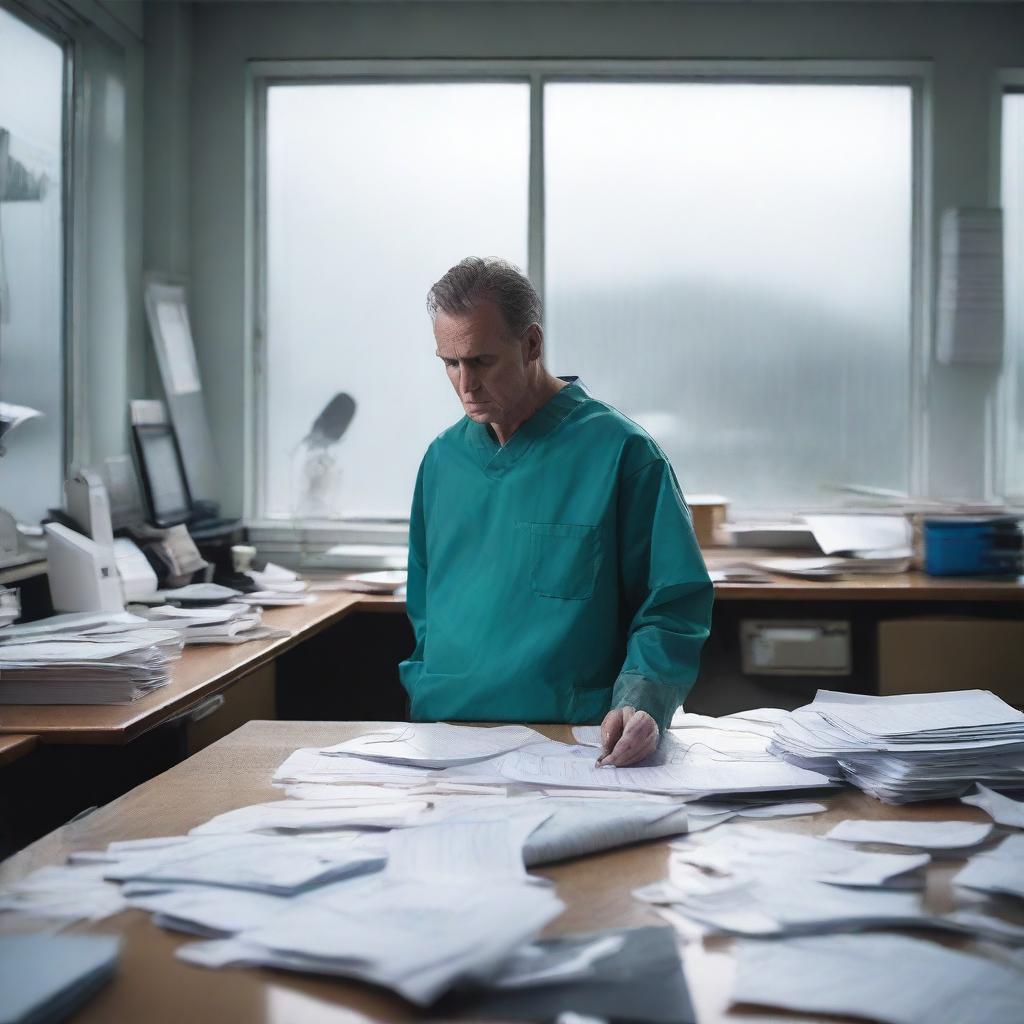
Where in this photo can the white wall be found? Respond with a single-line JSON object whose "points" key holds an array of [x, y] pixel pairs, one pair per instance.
{"points": [[965, 44]]}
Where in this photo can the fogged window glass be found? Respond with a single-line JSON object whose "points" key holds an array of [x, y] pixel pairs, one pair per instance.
{"points": [[729, 264], [31, 268], [1013, 226], [373, 192]]}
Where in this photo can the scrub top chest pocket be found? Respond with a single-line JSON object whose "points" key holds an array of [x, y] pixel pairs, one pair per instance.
{"points": [[563, 559]]}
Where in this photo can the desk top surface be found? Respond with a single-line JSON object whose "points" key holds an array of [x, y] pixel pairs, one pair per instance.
{"points": [[903, 586], [15, 746], [201, 671], [153, 986]]}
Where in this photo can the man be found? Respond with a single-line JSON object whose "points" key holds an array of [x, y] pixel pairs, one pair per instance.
{"points": [[553, 571]]}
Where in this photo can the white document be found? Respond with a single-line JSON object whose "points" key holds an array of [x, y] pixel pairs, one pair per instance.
{"points": [[999, 808], [843, 533], [587, 735], [778, 905], [462, 850], [681, 770], [200, 592], [210, 911], [387, 581], [64, 892], [575, 827], [745, 848], [1000, 870], [911, 715], [311, 816], [309, 765], [80, 623], [415, 939], [263, 863], [923, 835], [436, 744], [703, 815], [727, 723], [276, 599], [882, 977]]}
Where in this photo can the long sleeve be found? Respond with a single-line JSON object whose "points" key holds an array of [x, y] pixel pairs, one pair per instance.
{"points": [[416, 588], [667, 592]]}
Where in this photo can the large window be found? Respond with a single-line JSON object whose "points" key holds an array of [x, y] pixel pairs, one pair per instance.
{"points": [[1013, 227], [373, 191], [32, 126], [729, 263]]}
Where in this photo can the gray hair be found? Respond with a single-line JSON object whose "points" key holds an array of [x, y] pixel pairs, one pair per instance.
{"points": [[477, 279]]}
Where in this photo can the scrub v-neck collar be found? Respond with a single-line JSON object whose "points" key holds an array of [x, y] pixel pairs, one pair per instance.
{"points": [[495, 459]]}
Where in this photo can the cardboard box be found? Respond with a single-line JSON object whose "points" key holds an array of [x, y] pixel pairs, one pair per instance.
{"points": [[931, 654]]}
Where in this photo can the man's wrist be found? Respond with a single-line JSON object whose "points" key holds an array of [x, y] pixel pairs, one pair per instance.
{"points": [[659, 700]]}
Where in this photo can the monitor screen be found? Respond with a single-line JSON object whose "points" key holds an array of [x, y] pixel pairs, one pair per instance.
{"points": [[169, 500]]}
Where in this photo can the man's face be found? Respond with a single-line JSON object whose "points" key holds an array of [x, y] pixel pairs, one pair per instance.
{"points": [[487, 367]]}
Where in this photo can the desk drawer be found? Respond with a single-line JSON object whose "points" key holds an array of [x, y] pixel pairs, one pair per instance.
{"points": [[251, 697], [931, 654]]}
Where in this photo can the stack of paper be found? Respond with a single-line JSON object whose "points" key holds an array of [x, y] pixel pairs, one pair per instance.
{"points": [[86, 669], [879, 977], [387, 581], [924, 746], [231, 623], [865, 536], [829, 568], [854, 545], [970, 307]]}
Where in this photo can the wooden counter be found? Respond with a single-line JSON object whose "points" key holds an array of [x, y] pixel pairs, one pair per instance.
{"points": [[208, 669], [15, 746], [201, 671], [904, 586], [153, 986]]}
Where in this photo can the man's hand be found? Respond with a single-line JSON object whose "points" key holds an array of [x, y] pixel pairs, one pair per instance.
{"points": [[627, 736]]}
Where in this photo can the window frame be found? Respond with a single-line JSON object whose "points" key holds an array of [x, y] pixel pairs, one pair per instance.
{"points": [[264, 74], [1003, 485], [43, 20]]}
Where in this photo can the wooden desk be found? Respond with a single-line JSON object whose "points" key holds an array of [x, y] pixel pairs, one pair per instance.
{"points": [[153, 986], [906, 586], [201, 671], [15, 746]]}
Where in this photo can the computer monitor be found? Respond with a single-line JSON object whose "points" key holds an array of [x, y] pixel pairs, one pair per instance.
{"points": [[163, 477]]}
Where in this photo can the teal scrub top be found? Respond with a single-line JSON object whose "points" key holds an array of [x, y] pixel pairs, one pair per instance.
{"points": [[555, 577]]}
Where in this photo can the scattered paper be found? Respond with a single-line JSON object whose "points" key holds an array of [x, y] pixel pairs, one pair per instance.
{"points": [[999, 808], [999, 870], [47, 977], [436, 744], [883, 977], [922, 835]]}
